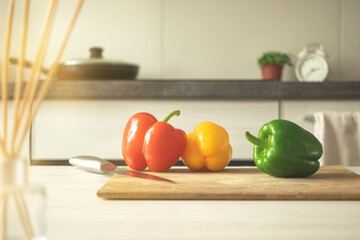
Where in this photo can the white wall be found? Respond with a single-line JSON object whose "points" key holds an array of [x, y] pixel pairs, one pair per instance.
{"points": [[202, 39]]}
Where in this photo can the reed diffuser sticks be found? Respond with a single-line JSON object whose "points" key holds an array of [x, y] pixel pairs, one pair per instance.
{"points": [[27, 101], [22, 118], [5, 73], [33, 80], [45, 87], [20, 68]]}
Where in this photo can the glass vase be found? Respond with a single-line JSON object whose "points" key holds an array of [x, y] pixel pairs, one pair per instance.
{"points": [[22, 205]]}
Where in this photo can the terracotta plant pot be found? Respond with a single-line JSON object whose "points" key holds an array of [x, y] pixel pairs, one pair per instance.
{"points": [[271, 71]]}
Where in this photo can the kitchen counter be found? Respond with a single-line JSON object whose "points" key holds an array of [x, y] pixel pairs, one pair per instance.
{"points": [[202, 89], [75, 212]]}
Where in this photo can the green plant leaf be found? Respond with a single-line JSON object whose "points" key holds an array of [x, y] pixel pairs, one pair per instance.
{"points": [[275, 57]]}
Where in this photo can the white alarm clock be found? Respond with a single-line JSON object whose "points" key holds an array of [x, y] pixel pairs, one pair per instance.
{"points": [[311, 64]]}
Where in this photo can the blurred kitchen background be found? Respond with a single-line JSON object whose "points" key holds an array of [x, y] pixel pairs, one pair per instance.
{"points": [[202, 39], [187, 40]]}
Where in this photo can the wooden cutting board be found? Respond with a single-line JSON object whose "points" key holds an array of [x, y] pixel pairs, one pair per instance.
{"points": [[329, 183]]}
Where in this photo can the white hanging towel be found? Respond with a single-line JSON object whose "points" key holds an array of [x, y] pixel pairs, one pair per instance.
{"points": [[339, 133]]}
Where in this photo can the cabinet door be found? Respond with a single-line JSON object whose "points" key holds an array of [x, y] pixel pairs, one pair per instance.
{"points": [[95, 127], [24, 152], [295, 110]]}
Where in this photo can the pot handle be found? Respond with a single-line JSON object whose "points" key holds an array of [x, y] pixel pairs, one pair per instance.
{"points": [[27, 64], [96, 52]]}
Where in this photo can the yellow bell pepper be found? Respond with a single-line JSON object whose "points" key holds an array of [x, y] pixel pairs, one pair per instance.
{"points": [[207, 147]]}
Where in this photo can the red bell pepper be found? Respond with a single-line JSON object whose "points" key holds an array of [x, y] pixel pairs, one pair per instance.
{"points": [[150, 143]]}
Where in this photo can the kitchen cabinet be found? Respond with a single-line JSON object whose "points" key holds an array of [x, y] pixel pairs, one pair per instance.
{"points": [[295, 110], [88, 117], [64, 128]]}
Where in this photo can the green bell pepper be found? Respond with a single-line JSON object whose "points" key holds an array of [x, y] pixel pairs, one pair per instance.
{"points": [[284, 149]]}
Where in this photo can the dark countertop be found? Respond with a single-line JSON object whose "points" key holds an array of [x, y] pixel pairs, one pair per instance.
{"points": [[202, 89]]}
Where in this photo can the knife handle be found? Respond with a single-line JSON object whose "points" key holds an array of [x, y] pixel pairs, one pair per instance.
{"points": [[92, 164]]}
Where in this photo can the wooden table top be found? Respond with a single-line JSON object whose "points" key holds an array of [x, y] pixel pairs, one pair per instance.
{"points": [[75, 212]]}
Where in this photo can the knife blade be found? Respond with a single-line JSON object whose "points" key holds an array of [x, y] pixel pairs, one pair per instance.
{"points": [[98, 165]]}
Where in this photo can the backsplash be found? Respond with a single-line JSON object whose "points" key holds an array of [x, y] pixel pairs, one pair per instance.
{"points": [[202, 39]]}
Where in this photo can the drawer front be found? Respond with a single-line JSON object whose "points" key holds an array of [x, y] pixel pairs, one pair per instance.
{"points": [[295, 110], [66, 128]]}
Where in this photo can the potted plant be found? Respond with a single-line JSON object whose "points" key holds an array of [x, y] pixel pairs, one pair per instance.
{"points": [[271, 64]]}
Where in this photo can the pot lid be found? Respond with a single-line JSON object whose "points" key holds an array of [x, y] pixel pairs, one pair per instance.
{"points": [[95, 59]]}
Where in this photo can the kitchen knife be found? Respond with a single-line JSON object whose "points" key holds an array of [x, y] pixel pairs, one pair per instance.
{"points": [[98, 165]]}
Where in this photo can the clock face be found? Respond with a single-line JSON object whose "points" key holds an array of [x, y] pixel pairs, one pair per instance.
{"points": [[312, 68]]}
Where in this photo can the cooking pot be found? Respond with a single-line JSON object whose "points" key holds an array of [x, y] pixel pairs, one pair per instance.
{"points": [[93, 68]]}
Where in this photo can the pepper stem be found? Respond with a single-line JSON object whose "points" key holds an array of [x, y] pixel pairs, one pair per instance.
{"points": [[176, 112], [257, 141]]}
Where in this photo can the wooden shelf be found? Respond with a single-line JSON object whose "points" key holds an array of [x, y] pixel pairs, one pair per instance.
{"points": [[203, 89]]}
